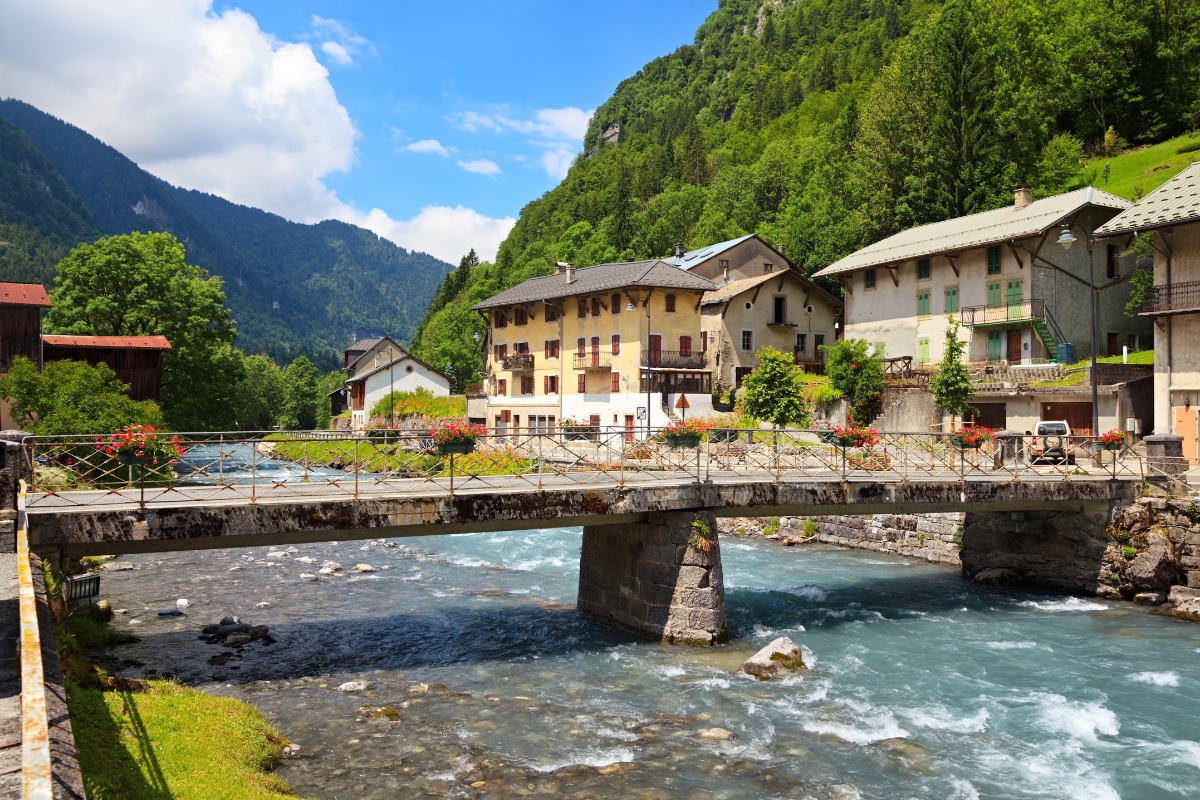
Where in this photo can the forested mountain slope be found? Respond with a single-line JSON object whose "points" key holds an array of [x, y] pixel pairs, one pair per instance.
{"points": [[825, 125], [294, 289]]}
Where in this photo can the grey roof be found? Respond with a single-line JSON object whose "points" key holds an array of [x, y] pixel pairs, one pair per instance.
{"points": [[1177, 200], [974, 230], [701, 254], [600, 278], [727, 291], [362, 376], [363, 345]]}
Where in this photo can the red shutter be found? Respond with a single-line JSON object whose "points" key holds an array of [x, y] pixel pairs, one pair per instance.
{"points": [[581, 345], [545, 384], [616, 382], [582, 383], [616, 345], [685, 345]]}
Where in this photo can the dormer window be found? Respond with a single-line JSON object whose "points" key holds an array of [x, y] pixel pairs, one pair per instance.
{"points": [[768, 267]]}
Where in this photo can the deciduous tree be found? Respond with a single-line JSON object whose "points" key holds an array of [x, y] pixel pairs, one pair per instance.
{"points": [[774, 391], [72, 397]]}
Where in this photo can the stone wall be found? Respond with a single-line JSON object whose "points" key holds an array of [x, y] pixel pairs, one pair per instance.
{"points": [[930, 537], [645, 578]]}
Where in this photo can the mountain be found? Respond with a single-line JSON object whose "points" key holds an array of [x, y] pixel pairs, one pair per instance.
{"points": [[825, 125], [294, 289]]}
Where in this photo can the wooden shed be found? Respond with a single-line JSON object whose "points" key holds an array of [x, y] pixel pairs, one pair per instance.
{"points": [[137, 360], [21, 307]]}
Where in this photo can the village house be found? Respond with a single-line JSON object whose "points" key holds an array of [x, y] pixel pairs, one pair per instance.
{"points": [[21, 306], [761, 300], [609, 345], [374, 369], [1021, 298], [1168, 218]]}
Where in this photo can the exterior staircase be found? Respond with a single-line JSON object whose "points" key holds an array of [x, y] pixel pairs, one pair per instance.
{"points": [[1048, 331]]}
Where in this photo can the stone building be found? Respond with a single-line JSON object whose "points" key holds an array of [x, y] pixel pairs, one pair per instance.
{"points": [[761, 299], [609, 345]]}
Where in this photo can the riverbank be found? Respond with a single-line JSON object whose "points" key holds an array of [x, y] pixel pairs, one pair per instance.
{"points": [[148, 738]]}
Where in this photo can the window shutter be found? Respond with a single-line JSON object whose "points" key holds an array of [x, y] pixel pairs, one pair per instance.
{"points": [[582, 381], [616, 382], [616, 344]]}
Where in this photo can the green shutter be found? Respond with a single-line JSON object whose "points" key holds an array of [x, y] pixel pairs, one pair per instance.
{"points": [[878, 350], [923, 350], [922, 304], [993, 254], [952, 300], [993, 345], [993, 294]]}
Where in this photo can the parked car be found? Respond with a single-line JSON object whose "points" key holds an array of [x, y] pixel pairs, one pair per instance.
{"points": [[1051, 442]]}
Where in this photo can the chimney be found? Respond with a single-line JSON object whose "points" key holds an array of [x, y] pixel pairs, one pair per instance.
{"points": [[560, 267], [783, 249], [1022, 195], [570, 273], [679, 251]]}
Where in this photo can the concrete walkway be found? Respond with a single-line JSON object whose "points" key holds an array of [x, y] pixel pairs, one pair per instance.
{"points": [[10, 679]]}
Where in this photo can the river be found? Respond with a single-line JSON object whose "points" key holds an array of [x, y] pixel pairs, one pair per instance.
{"points": [[920, 684]]}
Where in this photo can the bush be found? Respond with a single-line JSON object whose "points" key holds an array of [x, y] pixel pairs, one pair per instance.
{"points": [[772, 527], [825, 395], [774, 392], [72, 397], [810, 527], [1130, 552], [858, 375], [418, 403]]}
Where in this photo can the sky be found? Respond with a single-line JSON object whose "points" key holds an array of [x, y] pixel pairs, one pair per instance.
{"points": [[432, 124]]}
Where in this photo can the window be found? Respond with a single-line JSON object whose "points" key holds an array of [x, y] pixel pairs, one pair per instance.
{"points": [[501, 386], [818, 341], [801, 341], [1113, 271], [748, 341], [951, 300], [616, 303], [616, 345], [685, 345], [994, 260], [670, 304], [739, 374], [780, 309], [655, 348], [922, 304], [581, 381], [551, 313], [703, 342], [614, 385], [501, 351], [549, 384], [520, 316], [521, 347], [878, 351], [527, 385], [993, 294], [922, 269], [923, 350], [552, 348], [501, 319], [869, 279], [580, 346], [768, 267], [595, 306], [582, 307]]}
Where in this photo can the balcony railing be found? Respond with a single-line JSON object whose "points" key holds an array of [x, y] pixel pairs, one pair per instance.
{"points": [[1172, 298], [803, 357], [518, 362], [673, 358], [593, 360], [1018, 310]]}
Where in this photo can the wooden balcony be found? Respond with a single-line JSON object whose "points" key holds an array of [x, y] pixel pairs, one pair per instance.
{"points": [[1016, 311], [806, 358], [518, 362], [1172, 298]]}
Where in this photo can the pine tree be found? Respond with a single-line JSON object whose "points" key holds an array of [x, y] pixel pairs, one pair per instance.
{"points": [[622, 227], [951, 384]]}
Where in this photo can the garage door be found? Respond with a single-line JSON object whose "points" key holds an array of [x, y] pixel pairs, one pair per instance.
{"points": [[1077, 415], [992, 415]]}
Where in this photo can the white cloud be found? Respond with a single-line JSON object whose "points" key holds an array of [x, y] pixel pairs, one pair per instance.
{"points": [[561, 129], [481, 166], [337, 52], [429, 146], [208, 101]]}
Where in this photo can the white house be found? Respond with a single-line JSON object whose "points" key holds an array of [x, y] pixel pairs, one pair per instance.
{"points": [[378, 367]]}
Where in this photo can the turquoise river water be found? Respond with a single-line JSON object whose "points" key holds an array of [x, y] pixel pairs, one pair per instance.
{"points": [[920, 684]]}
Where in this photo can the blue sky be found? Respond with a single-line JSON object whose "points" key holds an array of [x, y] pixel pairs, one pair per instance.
{"points": [[430, 123]]}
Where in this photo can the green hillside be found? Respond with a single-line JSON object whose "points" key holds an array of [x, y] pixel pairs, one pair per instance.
{"points": [[294, 289], [825, 125], [1135, 173]]}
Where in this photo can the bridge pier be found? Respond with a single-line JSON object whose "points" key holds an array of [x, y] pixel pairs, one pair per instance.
{"points": [[643, 577]]}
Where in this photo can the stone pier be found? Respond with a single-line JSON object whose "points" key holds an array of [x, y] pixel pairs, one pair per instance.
{"points": [[645, 578]]}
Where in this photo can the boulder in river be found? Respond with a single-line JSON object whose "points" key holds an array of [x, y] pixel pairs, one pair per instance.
{"points": [[353, 686], [174, 612], [263, 604], [363, 568], [998, 576], [1153, 569], [237, 638], [230, 620], [380, 712], [116, 566], [773, 659], [238, 627], [332, 566], [307, 576], [716, 734]]}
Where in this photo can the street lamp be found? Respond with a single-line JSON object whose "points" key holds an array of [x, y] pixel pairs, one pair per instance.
{"points": [[1066, 239]]}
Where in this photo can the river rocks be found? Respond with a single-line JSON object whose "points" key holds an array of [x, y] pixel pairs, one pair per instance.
{"points": [[227, 629], [380, 712], [277, 554], [1154, 568], [182, 603], [326, 571], [306, 560], [308, 576], [116, 566], [332, 566], [263, 604], [1150, 598], [717, 734], [353, 686], [363, 568], [235, 639], [779, 655], [173, 612], [230, 621], [998, 576]]}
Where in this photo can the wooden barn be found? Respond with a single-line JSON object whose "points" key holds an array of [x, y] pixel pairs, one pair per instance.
{"points": [[137, 360], [21, 307]]}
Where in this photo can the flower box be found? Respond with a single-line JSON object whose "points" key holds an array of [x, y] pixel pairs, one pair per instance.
{"points": [[1114, 446], [682, 439], [128, 458], [461, 446], [577, 436], [723, 435]]}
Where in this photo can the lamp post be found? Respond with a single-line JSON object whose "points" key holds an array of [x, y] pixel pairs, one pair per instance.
{"points": [[1066, 239]]}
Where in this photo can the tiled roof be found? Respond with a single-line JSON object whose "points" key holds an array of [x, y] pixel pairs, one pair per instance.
{"points": [[23, 294], [363, 345], [1177, 200], [362, 376], [600, 278], [974, 230], [693, 257], [113, 342]]}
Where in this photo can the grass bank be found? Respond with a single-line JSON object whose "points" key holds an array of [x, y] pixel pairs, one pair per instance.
{"points": [[155, 740]]}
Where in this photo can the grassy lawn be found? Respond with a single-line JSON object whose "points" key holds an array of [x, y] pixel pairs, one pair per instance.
{"points": [[421, 403], [157, 740], [1134, 174]]}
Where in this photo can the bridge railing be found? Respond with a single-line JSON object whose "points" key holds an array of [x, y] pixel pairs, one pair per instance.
{"points": [[275, 466]]}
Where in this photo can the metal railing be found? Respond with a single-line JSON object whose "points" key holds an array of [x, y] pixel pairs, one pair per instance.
{"points": [[1017, 310], [36, 767], [72, 472], [674, 358], [593, 361], [1171, 297], [517, 362], [802, 357]]}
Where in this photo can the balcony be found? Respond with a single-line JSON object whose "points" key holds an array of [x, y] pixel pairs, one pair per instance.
{"points": [[673, 359], [1172, 298], [596, 360], [807, 358], [518, 362], [1017, 311]]}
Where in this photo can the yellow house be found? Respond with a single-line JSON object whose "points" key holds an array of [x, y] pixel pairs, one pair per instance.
{"points": [[609, 345]]}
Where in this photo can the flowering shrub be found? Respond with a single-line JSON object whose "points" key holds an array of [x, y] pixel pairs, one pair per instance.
{"points": [[457, 432], [850, 436], [688, 427], [569, 424], [1113, 437], [143, 441], [972, 437]]}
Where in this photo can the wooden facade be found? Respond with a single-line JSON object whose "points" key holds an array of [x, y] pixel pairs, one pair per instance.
{"points": [[20, 335], [137, 360]]}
